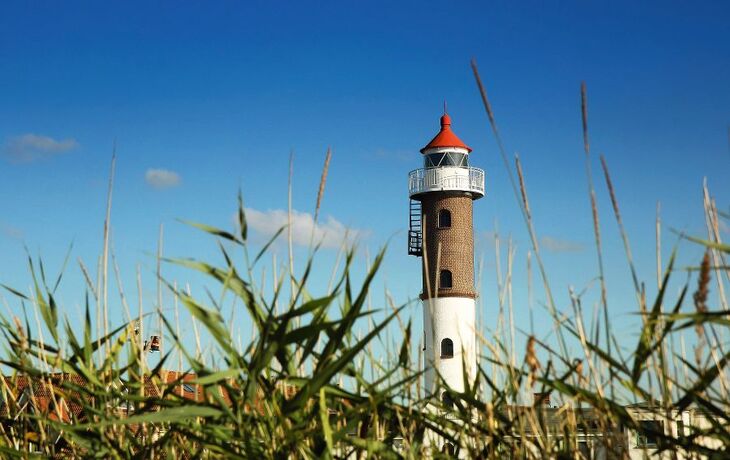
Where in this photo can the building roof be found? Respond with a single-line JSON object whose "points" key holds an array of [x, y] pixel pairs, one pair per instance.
{"points": [[445, 137], [44, 394]]}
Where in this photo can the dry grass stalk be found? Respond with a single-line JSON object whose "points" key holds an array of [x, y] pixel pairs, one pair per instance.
{"points": [[159, 281], [713, 233], [529, 292], [584, 116], [522, 203], [579, 372], [700, 299], [120, 287], [703, 280], [523, 189], [584, 341], [335, 268], [541, 267], [617, 213], [87, 278], [658, 234], [500, 288], [510, 258], [198, 347], [105, 252], [289, 230], [322, 183], [531, 360], [485, 99], [594, 212], [140, 335], [479, 287], [175, 303], [718, 259], [426, 262], [495, 130]]}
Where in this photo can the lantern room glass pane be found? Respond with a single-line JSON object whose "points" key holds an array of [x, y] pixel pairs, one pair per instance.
{"points": [[435, 160], [458, 159]]}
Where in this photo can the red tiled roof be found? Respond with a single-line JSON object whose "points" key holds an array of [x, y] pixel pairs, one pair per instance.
{"points": [[46, 395], [445, 137], [179, 382], [183, 384]]}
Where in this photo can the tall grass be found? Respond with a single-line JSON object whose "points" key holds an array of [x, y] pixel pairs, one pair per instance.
{"points": [[307, 385]]}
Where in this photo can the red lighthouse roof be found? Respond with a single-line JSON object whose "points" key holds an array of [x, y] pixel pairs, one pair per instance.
{"points": [[445, 137]]}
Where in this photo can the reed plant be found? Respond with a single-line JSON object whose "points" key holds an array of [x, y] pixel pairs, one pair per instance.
{"points": [[308, 386]]}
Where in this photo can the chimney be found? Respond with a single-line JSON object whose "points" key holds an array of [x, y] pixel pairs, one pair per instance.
{"points": [[155, 343]]}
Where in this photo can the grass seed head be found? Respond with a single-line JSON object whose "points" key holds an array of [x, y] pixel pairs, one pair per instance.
{"points": [[531, 360], [703, 281]]}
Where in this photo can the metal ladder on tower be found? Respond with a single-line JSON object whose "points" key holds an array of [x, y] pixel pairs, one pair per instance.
{"points": [[415, 232]]}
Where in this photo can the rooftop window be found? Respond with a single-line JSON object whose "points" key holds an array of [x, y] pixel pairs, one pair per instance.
{"points": [[649, 434], [188, 388]]}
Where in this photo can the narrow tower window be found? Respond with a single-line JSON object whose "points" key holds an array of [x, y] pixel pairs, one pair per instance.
{"points": [[444, 218], [445, 280], [447, 348]]}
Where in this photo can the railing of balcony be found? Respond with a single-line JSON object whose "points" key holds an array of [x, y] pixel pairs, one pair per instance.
{"points": [[467, 179]]}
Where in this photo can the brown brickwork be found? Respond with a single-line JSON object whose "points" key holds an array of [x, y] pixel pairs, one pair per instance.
{"points": [[457, 244]]}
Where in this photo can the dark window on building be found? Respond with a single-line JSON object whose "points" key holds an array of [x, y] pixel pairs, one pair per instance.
{"points": [[445, 281], [188, 388], [680, 427], [446, 399], [649, 433], [585, 450], [448, 449], [444, 218], [447, 348]]}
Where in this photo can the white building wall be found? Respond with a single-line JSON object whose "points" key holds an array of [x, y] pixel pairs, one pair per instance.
{"points": [[453, 318]]}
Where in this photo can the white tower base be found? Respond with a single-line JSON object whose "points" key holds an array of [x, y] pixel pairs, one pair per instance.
{"points": [[449, 318]]}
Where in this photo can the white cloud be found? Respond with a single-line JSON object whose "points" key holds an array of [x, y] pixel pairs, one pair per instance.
{"points": [[11, 231], [332, 233], [557, 245], [398, 155], [162, 178], [31, 147]]}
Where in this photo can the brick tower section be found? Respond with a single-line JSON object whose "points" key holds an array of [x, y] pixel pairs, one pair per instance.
{"points": [[451, 247]]}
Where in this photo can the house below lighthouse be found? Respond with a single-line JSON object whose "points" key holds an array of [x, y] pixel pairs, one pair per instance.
{"points": [[441, 232]]}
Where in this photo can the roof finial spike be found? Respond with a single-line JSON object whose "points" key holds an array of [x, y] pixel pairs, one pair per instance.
{"points": [[445, 118]]}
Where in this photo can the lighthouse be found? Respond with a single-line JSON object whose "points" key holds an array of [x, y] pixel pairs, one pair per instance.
{"points": [[441, 233]]}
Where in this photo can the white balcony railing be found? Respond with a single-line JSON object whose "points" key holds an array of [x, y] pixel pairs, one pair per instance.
{"points": [[465, 179]]}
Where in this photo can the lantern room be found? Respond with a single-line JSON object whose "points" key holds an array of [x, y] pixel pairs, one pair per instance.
{"points": [[446, 166]]}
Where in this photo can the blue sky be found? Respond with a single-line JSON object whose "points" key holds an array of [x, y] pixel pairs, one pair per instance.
{"points": [[218, 95]]}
